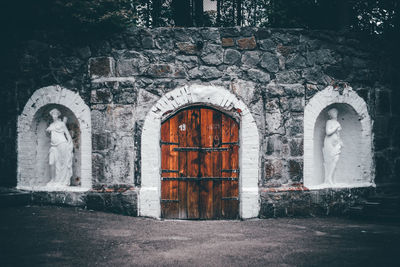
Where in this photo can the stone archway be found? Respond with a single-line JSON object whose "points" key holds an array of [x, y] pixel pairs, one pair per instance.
{"points": [[32, 144], [213, 96], [356, 164]]}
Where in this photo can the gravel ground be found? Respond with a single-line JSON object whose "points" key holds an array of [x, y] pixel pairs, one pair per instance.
{"points": [[59, 236]]}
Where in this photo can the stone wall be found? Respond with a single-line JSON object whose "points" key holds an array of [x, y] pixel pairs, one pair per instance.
{"points": [[273, 71]]}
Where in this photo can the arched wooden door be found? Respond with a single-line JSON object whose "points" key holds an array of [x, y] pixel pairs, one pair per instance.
{"points": [[200, 165]]}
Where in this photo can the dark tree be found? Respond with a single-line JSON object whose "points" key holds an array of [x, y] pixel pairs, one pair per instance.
{"points": [[219, 4], [71, 20], [344, 19], [239, 12], [198, 13], [87, 18], [182, 13], [156, 13]]}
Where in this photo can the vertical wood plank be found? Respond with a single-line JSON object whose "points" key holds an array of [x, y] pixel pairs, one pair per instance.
{"points": [[233, 191], [226, 163], [217, 162], [165, 185], [169, 161], [206, 166], [173, 165], [235, 165], [183, 185], [193, 161], [230, 189], [164, 148]]}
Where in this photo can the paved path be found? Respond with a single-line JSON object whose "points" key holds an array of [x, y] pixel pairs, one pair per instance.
{"points": [[55, 236]]}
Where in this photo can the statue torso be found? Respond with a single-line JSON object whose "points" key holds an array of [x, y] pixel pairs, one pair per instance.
{"points": [[332, 143], [56, 130]]}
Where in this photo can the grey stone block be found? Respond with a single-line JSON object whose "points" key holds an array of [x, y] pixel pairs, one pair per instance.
{"points": [[269, 62], [251, 58], [231, 56], [101, 67], [212, 54], [258, 75]]}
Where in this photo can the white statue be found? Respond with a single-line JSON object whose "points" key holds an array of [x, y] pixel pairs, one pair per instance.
{"points": [[60, 153], [332, 145]]}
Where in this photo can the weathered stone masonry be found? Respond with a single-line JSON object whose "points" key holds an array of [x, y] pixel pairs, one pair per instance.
{"points": [[273, 72]]}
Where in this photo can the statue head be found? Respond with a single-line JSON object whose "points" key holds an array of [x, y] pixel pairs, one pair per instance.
{"points": [[55, 113], [333, 113]]}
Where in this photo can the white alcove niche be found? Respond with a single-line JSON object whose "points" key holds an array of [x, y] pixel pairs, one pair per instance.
{"points": [[34, 141], [40, 123], [354, 168]]}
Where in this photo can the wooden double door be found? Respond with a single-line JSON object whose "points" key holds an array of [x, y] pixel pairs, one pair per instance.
{"points": [[199, 162]]}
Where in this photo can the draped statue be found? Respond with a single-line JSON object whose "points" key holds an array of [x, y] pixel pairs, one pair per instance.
{"points": [[60, 152], [332, 146]]}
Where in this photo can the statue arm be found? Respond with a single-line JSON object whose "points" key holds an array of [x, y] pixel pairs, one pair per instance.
{"points": [[332, 127], [49, 129]]}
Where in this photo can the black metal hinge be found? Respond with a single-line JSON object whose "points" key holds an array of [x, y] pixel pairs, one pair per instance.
{"points": [[199, 179], [173, 171], [201, 149], [168, 143], [230, 143], [230, 198], [230, 170], [169, 200]]}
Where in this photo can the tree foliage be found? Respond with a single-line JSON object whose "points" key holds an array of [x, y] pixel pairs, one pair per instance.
{"points": [[373, 17], [81, 18], [87, 18], [96, 13], [370, 16]]}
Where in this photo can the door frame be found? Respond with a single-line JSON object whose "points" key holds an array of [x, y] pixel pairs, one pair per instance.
{"points": [[215, 97], [234, 116]]}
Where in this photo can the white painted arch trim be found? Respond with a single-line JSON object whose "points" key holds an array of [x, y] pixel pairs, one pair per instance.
{"points": [[214, 96], [312, 110], [26, 141]]}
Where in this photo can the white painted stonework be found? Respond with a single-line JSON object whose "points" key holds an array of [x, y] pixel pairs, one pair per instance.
{"points": [[213, 96], [355, 165], [33, 144]]}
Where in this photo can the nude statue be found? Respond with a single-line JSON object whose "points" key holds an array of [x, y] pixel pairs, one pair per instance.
{"points": [[60, 152], [332, 146]]}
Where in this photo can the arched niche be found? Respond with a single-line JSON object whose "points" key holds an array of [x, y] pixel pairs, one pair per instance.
{"points": [[34, 143], [215, 97], [354, 168]]}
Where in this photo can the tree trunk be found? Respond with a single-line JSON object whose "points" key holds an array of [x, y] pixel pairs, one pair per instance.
{"points": [[344, 11], [198, 13], [272, 9], [181, 13], [239, 12], [156, 13], [233, 12], [148, 13], [254, 13], [219, 2]]}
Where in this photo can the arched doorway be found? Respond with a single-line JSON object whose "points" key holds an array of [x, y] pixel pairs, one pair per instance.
{"points": [[195, 95], [200, 165]]}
